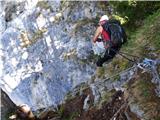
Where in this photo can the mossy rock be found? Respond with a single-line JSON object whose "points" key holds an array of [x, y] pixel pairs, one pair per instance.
{"points": [[142, 92], [106, 97], [44, 5]]}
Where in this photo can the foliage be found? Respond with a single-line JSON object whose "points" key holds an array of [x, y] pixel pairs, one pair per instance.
{"points": [[142, 92], [9, 113], [106, 98], [44, 5], [72, 116], [117, 65], [134, 11], [121, 19], [145, 88], [60, 111], [100, 72], [145, 37], [145, 40], [116, 77]]}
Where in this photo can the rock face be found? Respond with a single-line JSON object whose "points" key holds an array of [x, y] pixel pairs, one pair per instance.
{"points": [[6, 105], [45, 49]]}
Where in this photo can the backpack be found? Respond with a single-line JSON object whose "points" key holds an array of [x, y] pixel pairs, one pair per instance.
{"points": [[116, 32]]}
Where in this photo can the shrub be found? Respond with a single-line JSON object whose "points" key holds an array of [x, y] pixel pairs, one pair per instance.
{"points": [[134, 11]]}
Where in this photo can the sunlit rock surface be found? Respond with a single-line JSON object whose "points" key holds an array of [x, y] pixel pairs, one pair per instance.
{"points": [[44, 49]]}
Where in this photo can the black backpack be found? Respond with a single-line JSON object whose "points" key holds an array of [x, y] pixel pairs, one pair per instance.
{"points": [[116, 32]]}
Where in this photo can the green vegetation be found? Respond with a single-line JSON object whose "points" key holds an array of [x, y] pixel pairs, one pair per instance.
{"points": [[100, 72], [148, 36], [142, 92], [9, 114], [117, 77], [117, 65], [60, 111], [134, 11], [44, 5], [72, 116], [144, 87], [140, 43], [83, 22], [78, 90], [106, 97]]}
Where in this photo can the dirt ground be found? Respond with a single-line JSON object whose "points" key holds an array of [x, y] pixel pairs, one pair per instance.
{"points": [[116, 109]]}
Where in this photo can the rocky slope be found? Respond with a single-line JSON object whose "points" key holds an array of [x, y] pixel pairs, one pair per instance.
{"points": [[132, 96], [45, 49]]}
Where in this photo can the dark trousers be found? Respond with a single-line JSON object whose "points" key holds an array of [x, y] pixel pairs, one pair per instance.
{"points": [[109, 54]]}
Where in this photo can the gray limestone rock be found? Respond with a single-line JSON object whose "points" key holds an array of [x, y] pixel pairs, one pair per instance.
{"points": [[41, 59]]}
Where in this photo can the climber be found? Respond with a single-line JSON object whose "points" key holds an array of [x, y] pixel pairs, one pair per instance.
{"points": [[24, 112], [105, 36], [111, 43]]}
